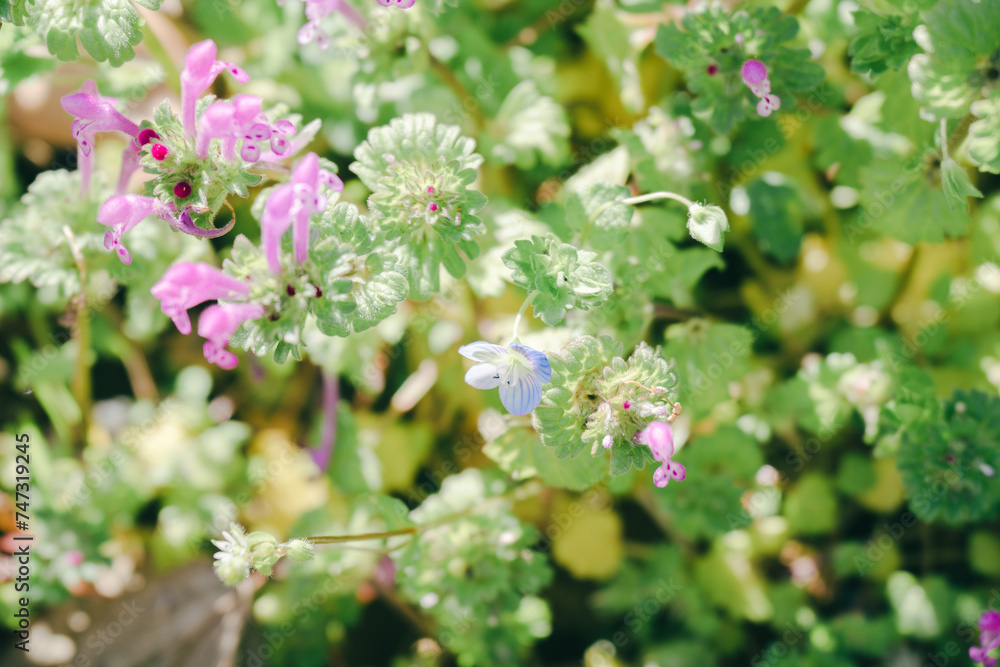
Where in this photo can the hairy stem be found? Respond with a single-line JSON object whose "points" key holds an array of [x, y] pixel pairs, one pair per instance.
{"points": [[517, 320], [81, 330]]}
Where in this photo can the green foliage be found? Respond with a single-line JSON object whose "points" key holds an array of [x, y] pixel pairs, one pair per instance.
{"points": [[419, 172], [708, 37], [107, 29], [709, 356], [950, 467], [961, 45], [533, 128], [598, 214], [777, 218], [563, 277], [476, 575], [881, 42]]}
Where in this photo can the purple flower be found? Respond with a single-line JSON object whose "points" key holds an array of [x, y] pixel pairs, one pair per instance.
{"points": [[124, 212], [317, 10], [291, 205], [518, 370], [218, 324], [200, 70], [403, 4], [95, 113], [989, 638], [241, 119], [659, 437], [187, 284], [754, 75]]}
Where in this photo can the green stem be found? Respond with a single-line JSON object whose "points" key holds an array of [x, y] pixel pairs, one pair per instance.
{"points": [[81, 374], [517, 320], [632, 201], [515, 494], [959, 134], [461, 92], [629, 201], [339, 539]]}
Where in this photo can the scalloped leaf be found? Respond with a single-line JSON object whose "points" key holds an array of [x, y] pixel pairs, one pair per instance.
{"points": [[564, 277]]}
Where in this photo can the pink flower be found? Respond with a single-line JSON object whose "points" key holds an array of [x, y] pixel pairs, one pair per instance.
{"points": [[660, 439], [317, 10], [989, 638], [403, 4], [123, 212], [754, 75], [241, 119], [187, 284], [218, 324], [291, 205], [95, 113], [200, 70]]}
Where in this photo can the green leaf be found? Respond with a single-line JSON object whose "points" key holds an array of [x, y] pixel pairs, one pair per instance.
{"points": [[520, 452], [420, 173], [608, 39], [571, 396], [709, 356], [707, 224], [720, 467], [811, 506], [107, 29], [900, 199], [777, 218], [14, 11], [708, 37], [960, 40], [531, 127], [956, 184], [950, 464], [983, 147], [881, 42], [563, 276], [598, 214]]}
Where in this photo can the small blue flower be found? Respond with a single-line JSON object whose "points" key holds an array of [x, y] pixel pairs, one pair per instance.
{"points": [[519, 371]]}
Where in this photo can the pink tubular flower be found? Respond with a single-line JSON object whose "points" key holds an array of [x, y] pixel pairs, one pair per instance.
{"points": [[218, 324], [241, 119], [989, 638], [291, 205], [188, 284], [660, 439], [95, 113], [754, 75], [124, 212], [200, 70]]}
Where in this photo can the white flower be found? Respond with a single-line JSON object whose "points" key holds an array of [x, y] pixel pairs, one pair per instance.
{"points": [[519, 371], [232, 563]]}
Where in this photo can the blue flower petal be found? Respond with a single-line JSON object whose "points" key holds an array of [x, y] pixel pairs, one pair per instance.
{"points": [[483, 351], [483, 376], [539, 362], [522, 396]]}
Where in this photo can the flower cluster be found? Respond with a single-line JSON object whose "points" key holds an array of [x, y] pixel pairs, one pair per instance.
{"points": [[240, 553], [518, 370], [193, 175], [754, 75], [188, 284], [291, 205], [659, 437], [989, 639]]}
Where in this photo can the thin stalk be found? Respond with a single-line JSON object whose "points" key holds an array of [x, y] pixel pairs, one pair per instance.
{"points": [[517, 320], [632, 201], [461, 92], [340, 539], [81, 374]]}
